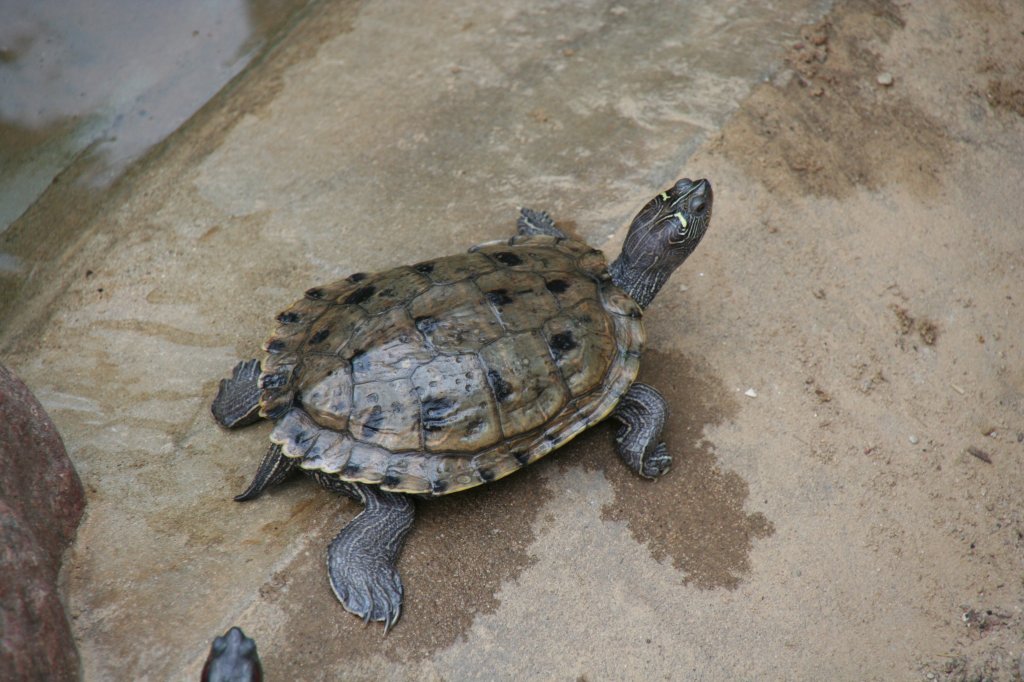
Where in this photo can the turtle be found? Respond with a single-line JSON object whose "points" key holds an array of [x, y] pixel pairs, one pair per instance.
{"points": [[433, 378], [233, 658]]}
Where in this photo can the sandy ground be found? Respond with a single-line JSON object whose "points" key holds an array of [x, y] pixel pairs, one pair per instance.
{"points": [[842, 354]]}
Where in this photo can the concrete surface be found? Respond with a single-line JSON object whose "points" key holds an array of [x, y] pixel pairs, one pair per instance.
{"points": [[862, 275], [97, 84]]}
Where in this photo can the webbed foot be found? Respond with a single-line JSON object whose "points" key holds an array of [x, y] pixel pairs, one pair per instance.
{"points": [[238, 398], [361, 559], [642, 412], [536, 222], [657, 463]]}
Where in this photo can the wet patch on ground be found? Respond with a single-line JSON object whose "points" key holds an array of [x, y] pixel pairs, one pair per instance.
{"points": [[695, 514], [462, 548], [832, 120], [65, 208]]}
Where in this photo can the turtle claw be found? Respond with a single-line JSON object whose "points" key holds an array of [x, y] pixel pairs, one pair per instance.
{"points": [[361, 559], [372, 593], [657, 463]]}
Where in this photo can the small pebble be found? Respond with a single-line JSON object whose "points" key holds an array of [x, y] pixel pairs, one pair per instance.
{"points": [[884, 78], [750, 393], [914, 440]]}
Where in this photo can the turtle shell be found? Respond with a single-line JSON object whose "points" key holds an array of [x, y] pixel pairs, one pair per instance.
{"points": [[453, 372]]}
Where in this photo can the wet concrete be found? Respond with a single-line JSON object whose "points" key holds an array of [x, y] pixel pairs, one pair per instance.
{"points": [[381, 133], [697, 517], [348, 155], [88, 89], [110, 79]]}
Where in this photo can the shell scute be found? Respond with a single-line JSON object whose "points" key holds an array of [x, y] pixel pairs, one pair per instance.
{"points": [[330, 332], [386, 347], [387, 414], [329, 401], [568, 289], [397, 289], [532, 255], [455, 318], [582, 347], [453, 269], [407, 475], [594, 263], [367, 463], [457, 410], [520, 299], [522, 372]]}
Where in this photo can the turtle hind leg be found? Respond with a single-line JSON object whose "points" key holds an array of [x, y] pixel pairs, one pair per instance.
{"points": [[361, 559], [273, 469], [642, 412], [532, 223], [238, 398]]}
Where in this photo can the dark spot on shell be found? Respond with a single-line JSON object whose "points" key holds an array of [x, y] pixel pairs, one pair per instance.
{"points": [[502, 389], [373, 422], [350, 470], [438, 487], [288, 318], [522, 456], [486, 475], [424, 268], [360, 363], [437, 413], [557, 286], [316, 294], [360, 295], [275, 346], [508, 258], [320, 336], [425, 324], [550, 437], [356, 277], [563, 343], [273, 380], [390, 480], [498, 297]]}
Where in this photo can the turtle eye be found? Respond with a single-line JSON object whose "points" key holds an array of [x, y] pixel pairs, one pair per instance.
{"points": [[698, 205]]}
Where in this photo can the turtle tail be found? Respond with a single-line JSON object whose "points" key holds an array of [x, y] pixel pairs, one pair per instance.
{"points": [[274, 468]]}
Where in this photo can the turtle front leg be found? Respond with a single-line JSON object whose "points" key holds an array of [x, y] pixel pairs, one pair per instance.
{"points": [[532, 223], [642, 412], [361, 559], [238, 398]]}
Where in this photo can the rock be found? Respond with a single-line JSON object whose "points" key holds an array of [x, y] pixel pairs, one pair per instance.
{"points": [[41, 502], [884, 79]]}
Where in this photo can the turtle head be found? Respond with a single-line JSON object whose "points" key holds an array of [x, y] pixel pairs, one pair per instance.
{"points": [[232, 657], [662, 235]]}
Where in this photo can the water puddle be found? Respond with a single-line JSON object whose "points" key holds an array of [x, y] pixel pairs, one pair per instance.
{"points": [[106, 80]]}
